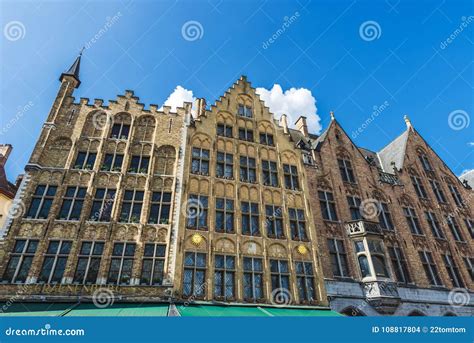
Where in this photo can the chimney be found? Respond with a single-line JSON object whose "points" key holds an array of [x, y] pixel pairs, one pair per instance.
{"points": [[284, 123], [5, 150], [301, 126], [200, 107]]}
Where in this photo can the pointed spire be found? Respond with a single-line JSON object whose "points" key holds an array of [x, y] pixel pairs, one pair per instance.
{"points": [[332, 115], [407, 121], [74, 69]]}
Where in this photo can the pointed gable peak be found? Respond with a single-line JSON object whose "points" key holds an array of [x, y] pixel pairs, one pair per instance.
{"points": [[74, 70]]}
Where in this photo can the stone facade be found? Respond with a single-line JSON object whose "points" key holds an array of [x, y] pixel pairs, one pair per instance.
{"points": [[382, 182], [230, 205]]}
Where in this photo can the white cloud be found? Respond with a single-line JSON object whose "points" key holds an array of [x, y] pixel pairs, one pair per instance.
{"points": [[470, 143], [178, 97], [294, 102]]}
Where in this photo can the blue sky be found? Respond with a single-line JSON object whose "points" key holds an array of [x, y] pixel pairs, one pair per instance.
{"points": [[352, 56]]}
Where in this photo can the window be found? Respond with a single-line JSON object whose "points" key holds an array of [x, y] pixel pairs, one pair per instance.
{"points": [[297, 224], [224, 215], [54, 262], [308, 158], [85, 160], [362, 258], [385, 218], [354, 207], [224, 277], [378, 258], [225, 165], [200, 161], [338, 257], [88, 263], [245, 111], [455, 229], [131, 206], [470, 226], [20, 261], [425, 162], [41, 202], [412, 220], [139, 164], [194, 277], [266, 138], [112, 162], [245, 134], [469, 262], [291, 176], [270, 173], [434, 225], [73, 200], [453, 271], [280, 275], [274, 221], [305, 281], [224, 130], [253, 279], [347, 174], [248, 169], [160, 208], [399, 265], [250, 218], [102, 205], [419, 188], [430, 268], [153, 264], [328, 206], [435, 186], [197, 212], [121, 264], [456, 195], [120, 131]]}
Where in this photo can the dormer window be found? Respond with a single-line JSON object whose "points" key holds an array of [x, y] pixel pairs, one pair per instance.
{"points": [[245, 111]]}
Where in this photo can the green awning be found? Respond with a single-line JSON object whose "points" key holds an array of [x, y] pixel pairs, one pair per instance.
{"points": [[248, 311], [120, 310], [34, 309], [298, 312], [219, 311]]}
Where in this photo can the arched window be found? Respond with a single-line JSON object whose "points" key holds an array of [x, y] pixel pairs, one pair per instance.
{"points": [[165, 159], [416, 314]]}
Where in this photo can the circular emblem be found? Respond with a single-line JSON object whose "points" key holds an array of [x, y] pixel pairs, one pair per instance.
{"points": [[302, 250], [196, 239]]}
